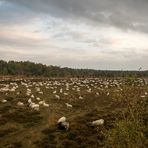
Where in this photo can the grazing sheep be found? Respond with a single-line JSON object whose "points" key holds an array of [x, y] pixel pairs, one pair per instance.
{"points": [[58, 97], [40, 92], [12, 89], [62, 119], [20, 103], [18, 93], [4, 101], [62, 124], [80, 97], [54, 92], [38, 99], [35, 106], [97, 93], [32, 96], [37, 89], [89, 90], [78, 89], [68, 105], [61, 90], [45, 104], [41, 102], [98, 122], [29, 100], [66, 94]]}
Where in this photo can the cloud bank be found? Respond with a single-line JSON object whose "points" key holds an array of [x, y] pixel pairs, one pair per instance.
{"points": [[99, 34]]}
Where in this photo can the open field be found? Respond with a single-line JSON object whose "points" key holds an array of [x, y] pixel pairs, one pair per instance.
{"points": [[121, 102]]}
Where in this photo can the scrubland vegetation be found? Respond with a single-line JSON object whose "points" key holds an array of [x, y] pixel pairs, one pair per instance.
{"points": [[28, 68], [30, 109]]}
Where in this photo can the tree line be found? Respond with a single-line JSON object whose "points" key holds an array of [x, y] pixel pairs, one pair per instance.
{"points": [[27, 68]]}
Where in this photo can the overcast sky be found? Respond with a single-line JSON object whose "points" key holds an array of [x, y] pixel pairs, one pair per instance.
{"points": [[98, 34]]}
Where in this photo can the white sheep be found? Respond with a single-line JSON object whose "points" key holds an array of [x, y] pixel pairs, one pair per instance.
{"points": [[68, 105], [89, 90], [40, 92], [62, 119], [97, 93], [4, 101], [57, 96], [20, 103], [54, 92], [45, 104], [80, 97], [38, 99], [98, 122], [32, 96], [29, 100], [35, 106], [62, 124], [37, 89], [18, 93], [66, 94], [61, 90], [41, 102]]}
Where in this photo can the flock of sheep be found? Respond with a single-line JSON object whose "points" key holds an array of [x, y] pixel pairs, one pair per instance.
{"points": [[61, 89]]}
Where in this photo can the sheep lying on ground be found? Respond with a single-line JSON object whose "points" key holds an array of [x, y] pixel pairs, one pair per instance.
{"points": [[62, 124], [38, 99], [4, 101], [20, 103], [80, 97], [62, 119], [97, 122]]}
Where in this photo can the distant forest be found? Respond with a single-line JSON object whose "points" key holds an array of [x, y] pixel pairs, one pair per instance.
{"points": [[28, 68]]}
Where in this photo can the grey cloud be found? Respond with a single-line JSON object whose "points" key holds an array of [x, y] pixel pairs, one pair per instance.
{"points": [[123, 13], [11, 13], [22, 42]]}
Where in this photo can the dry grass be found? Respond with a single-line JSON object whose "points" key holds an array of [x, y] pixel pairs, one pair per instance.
{"points": [[124, 111]]}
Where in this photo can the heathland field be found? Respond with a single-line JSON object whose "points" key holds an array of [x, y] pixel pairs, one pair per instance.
{"points": [[31, 107]]}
